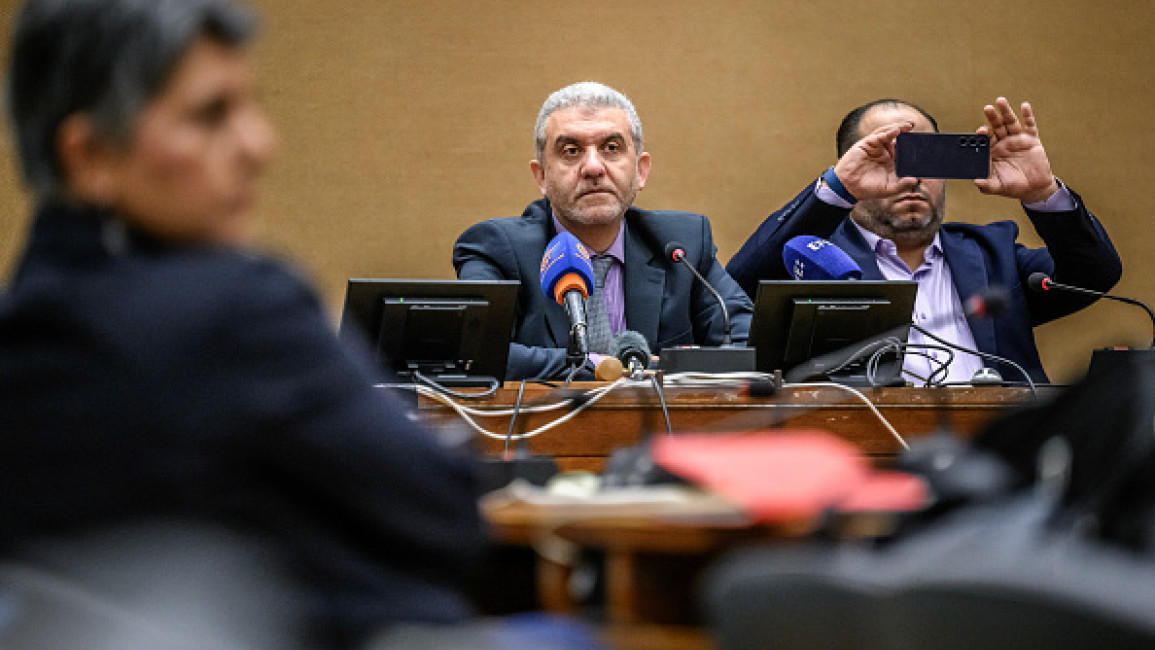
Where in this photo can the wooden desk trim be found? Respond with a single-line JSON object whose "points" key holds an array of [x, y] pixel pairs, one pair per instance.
{"points": [[626, 414]]}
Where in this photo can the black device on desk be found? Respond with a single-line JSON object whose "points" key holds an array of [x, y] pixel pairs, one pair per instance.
{"points": [[811, 329], [455, 332]]}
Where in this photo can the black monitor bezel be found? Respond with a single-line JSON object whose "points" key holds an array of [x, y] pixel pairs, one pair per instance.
{"points": [[773, 311], [364, 308]]}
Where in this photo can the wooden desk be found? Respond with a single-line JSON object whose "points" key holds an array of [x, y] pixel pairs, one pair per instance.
{"points": [[652, 562], [624, 415], [652, 565]]}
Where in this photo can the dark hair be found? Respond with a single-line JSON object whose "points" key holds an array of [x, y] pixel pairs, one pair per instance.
{"points": [[104, 58], [848, 130]]}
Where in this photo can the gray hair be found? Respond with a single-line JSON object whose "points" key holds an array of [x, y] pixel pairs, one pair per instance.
{"points": [[585, 94], [104, 58]]}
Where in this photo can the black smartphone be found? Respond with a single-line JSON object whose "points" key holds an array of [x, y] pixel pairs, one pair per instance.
{"points": [[942, 155]]}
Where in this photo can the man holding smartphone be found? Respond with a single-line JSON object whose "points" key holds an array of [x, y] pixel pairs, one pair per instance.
{"points": [[896, 232]]}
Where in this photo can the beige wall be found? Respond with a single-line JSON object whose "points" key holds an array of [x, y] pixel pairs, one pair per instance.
{"points": [[403, 122]]}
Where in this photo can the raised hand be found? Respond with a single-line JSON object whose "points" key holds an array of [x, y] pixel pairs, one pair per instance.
{"points": [[867, 168], [1020, 168]]}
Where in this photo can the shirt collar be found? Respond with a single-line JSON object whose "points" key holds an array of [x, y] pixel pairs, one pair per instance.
{"points": [[617, 250], [882, 245]]}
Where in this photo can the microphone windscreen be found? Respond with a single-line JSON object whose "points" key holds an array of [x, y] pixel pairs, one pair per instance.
{"points": [[608, 369], [631, 345], [1038, 281], [566, 265], [988, 303], [675, 251], [813, 258]]}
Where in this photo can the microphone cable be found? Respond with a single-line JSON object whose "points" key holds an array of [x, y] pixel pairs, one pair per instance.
{"points": [[468, 414], [662, 400], [985, 355], [438, 386], [513, 419]]}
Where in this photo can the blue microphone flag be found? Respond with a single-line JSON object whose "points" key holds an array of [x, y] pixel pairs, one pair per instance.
{"points": [[566, 262], [813, 258]]}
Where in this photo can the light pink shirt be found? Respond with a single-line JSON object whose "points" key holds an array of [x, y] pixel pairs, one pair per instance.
{"points": [[937, 309]]}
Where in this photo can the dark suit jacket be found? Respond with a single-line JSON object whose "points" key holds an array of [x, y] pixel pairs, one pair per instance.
{"points": [[139, 381], [663, 300], [1078, 252]]}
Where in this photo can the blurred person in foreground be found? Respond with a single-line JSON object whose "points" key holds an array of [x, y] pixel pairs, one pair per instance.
{"points": [[152, 366]]}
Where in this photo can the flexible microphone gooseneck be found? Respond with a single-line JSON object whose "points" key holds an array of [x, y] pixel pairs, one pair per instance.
{"points": [[1042, 283], [677, 252]]}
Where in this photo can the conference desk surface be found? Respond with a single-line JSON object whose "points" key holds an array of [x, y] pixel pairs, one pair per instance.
{"points": [[633, 410]]}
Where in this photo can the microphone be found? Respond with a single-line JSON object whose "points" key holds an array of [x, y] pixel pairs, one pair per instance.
{"points": [[633, 351], [567, 276], [813, 258], [677, 252], [989, 303], [1041, 282]]}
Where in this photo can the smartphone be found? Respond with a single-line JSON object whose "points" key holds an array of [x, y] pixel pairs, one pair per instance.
{"points": [[942, 155]]}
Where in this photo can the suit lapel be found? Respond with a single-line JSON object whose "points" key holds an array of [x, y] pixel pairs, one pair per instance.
{"points": [[852, 242], [556, 320], [965, 260], [644, 284]]}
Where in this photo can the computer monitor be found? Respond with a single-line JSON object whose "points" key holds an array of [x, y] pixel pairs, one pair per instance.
{"points": [[809, 328], [455, 332]]}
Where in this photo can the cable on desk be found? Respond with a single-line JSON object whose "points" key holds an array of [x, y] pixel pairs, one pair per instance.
{"points": [[513, 416], [465, 413], [435, 385], [662, 398], [984, 355], [865, 400]]}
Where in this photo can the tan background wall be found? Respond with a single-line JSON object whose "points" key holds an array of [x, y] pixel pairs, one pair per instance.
{"points": [[403, 122]]}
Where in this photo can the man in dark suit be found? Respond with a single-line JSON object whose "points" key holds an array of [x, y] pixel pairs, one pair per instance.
{"points": [[896, 232], [155, 368], [590, 165]]}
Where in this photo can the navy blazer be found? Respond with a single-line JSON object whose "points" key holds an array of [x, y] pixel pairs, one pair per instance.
{"points": [[664, 302], [140, 380], [1078, 252]]}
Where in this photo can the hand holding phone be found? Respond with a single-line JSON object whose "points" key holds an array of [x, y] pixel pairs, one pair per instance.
{"points": [[942, 155]]}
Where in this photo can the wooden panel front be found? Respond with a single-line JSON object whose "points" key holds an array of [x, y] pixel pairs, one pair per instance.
{"points": [[626, 414]]}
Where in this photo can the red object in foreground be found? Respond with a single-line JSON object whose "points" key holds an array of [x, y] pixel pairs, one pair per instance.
{"points": [[788, 475]]}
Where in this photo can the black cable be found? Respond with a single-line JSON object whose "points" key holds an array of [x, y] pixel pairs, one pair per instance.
{"points": [[941, 367], [573, 371], [662, 400], [513, 418], [984, 355]]}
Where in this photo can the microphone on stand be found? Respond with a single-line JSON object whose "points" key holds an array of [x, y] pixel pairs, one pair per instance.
{"points": [[1102, 358], [727, 357], [567, 276], [629, 357], [677, 252], [1043, 283], [633, 351]]}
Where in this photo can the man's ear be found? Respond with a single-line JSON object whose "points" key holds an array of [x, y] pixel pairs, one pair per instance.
{"points": [[538, 172], [86, 161], [643, 169]]}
